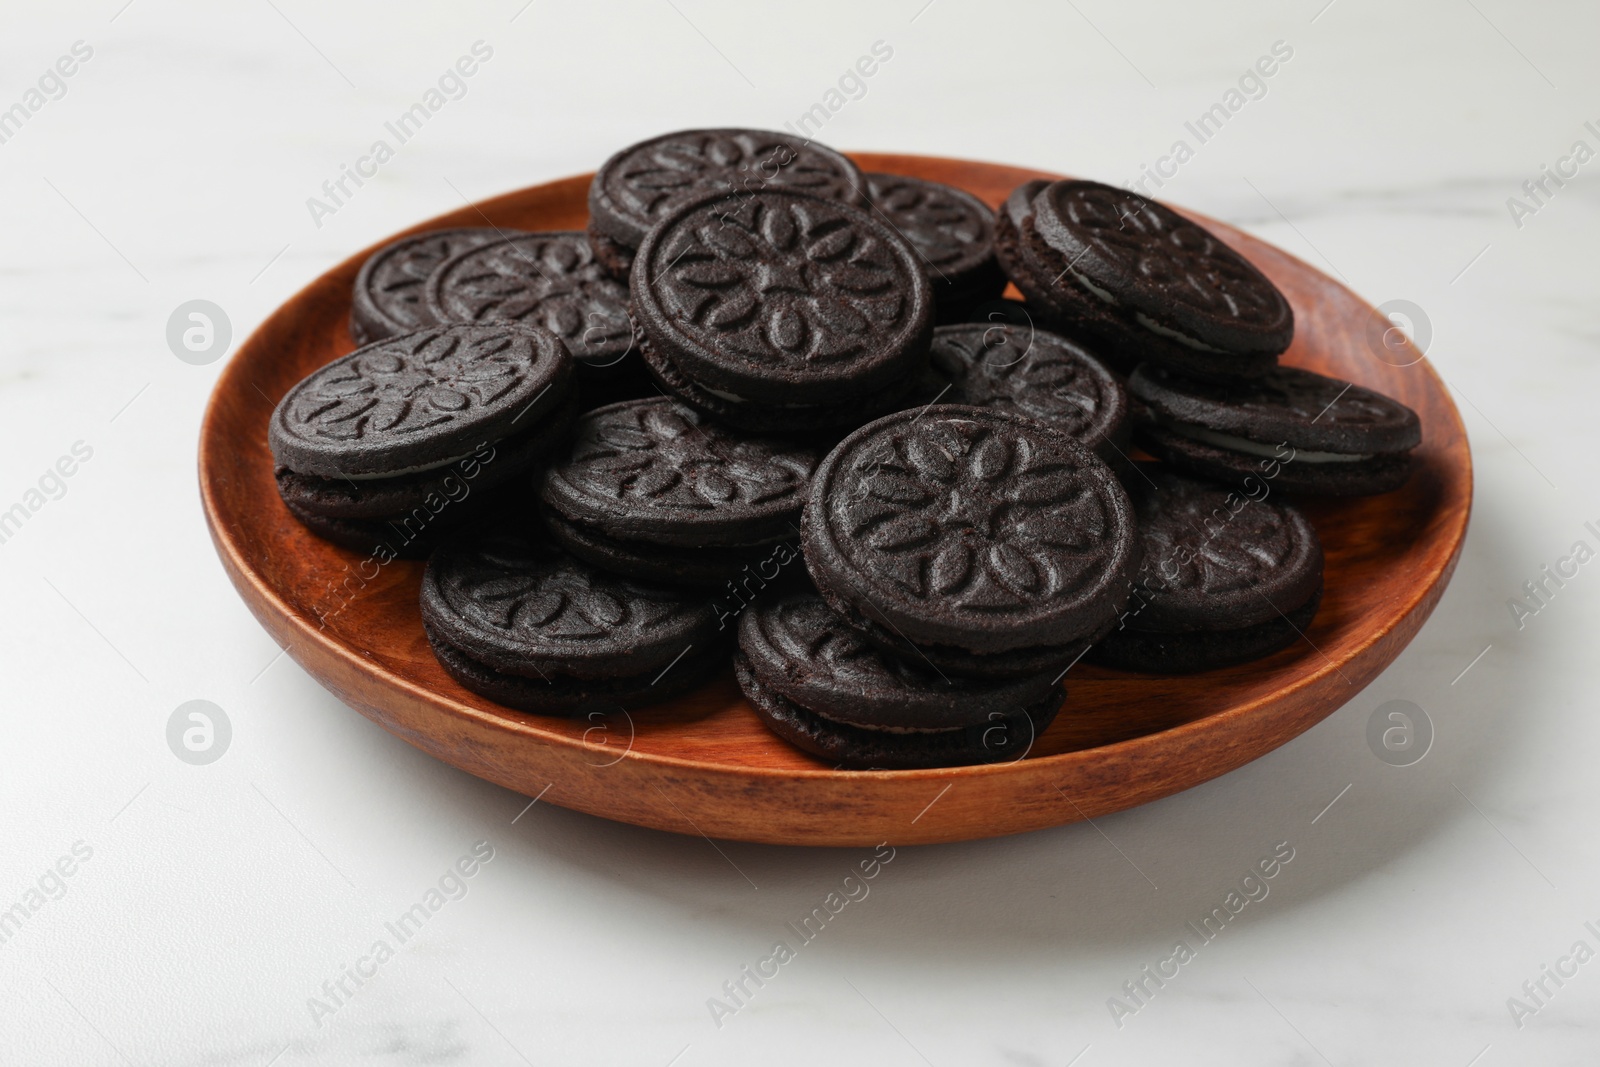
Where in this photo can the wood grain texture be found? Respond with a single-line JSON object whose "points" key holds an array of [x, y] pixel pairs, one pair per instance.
{"points": [[704, 764]]}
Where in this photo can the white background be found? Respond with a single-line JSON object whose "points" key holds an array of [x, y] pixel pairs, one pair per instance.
{"points": [[219, 898]]}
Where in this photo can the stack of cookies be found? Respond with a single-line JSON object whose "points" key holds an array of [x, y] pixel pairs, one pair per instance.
{"points": [[770, 412]]}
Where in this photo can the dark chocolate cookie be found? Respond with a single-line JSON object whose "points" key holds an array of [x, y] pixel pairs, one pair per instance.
{"points": [[1018, 204], [1225, 577], [659, 471], [421, 400], [1142, 280], [489, 466], [648, 474], [980, 540], [1032, 372], [673, 565], [644, 183], [1159, 652], [411, 434], [562, 695], [804, 652], [411, 535], [1003, 737], [951, 229], [389, 298], [522, 622], [1299, 431], [775, 301], [822, 422], [1163, 266], [542, 279]]}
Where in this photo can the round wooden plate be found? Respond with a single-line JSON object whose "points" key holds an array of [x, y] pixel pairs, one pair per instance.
{"points": [[704, 764]]}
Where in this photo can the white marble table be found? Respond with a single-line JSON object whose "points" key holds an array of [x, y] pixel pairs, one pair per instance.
{"points": [[207, 906]]}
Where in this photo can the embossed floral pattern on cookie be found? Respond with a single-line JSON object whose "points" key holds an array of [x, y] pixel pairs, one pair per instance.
{"points": [[782, 279], [669, 458], [543, 279], [1212, 552], [521, 587], [1031, 372], [1134, 238], [391, 291], [438, 392], [974, 513], [644, 183], [951, 230]]}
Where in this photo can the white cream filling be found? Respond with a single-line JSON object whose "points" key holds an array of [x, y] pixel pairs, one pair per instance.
{"points": [[1146, 321], [1093, 288], [1256, 448], [1168, 332]]}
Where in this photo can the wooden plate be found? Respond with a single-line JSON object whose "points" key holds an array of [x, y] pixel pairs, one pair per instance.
{"points": [[704, 764]]}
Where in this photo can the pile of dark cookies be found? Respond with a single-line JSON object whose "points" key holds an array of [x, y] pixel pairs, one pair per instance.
{"points": [[771, 410]]}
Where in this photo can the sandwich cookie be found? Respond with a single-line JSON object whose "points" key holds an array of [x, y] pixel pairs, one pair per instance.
{"points": [[1225, 578], [644, 183], [818, 685], [653, 490], [519, 621], [1300, 431], [984, 543], [779, 312], [1031, 372], [953, 232], [1010, 251], [390, 297], [550, 280], [401, 439], [1141, 280]]}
